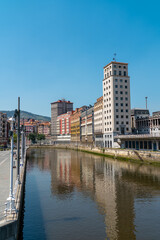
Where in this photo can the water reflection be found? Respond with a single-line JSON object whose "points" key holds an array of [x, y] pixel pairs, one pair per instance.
{"points": [[118, 188]]}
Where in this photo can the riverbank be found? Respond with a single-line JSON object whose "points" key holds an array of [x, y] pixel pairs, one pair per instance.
{"points": [[147, 157]]}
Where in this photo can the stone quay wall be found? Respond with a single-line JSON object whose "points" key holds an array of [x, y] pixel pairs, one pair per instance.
{"points": [[150, 157]]}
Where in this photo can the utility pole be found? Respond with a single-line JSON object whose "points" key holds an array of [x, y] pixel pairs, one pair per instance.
{"points": [[18, 140], [146, 101]]}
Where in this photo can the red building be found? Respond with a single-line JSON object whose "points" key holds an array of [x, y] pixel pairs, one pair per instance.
{"points": [[64, 124]]}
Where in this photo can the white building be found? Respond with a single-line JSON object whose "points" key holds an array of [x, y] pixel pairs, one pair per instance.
{"points": [[116, 102]]}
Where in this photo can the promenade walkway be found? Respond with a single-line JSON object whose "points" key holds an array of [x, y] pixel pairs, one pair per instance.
{"points": [[5, 181]]}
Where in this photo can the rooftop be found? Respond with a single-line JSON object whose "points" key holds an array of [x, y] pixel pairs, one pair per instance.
{"points": [[60, 101], [113, 62]]}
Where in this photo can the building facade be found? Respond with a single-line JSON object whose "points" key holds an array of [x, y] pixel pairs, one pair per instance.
{"points": [[58, 108], [98, 122], [149, 125], [44, 128], [3, 129], [138, 114], [116, 102], [87, 125], [76, 125], [64, 127]]}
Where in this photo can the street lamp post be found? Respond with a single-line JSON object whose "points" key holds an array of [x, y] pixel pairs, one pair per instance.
{"points": [[10, 199]]}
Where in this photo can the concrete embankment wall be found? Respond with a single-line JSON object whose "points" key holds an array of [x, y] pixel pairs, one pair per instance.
{"points": [[10, 229], [149, 157]]}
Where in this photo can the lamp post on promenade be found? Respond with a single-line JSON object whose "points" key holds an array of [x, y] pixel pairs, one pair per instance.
{"points": [[10, 199], [22, 145], [18, 141]]}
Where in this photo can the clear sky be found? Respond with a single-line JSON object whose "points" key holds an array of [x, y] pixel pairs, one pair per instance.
{"points": [[53, 49]]}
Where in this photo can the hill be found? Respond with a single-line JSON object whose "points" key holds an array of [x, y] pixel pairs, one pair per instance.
{"points": [[27, 115]]}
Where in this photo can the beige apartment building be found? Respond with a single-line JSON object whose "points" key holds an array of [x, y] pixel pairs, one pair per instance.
{"points": [[98, 122], [116, 102]]}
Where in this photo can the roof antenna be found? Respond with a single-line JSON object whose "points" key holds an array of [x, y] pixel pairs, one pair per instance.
{"points": [[114, 59]]}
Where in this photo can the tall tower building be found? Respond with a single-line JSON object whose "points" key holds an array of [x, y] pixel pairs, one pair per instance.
{"points": [[58, 108], [116, 102]]}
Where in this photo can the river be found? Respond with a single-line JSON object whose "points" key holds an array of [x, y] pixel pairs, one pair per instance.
{"points": [[72, 195]]}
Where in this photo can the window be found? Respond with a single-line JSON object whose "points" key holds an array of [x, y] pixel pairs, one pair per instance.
{"points": [[121, 86], [121, 116], [117, 122], [110, 73], [125, 81], [124, 66], [127, 116], [116, 80], [119, 66], [126, 87], [116, 116], [122, 123], [116, 92], [126, 93], [121, 92], [116, 86], [116, 98], [116, 104], [124, 73], [121, 98], [126, 100], [116, 110], [127, 129], [126, 122], [126, 110], [121, 110], [120, 73], [115, 72], [121, 80], [117, 129], [115, 66]]}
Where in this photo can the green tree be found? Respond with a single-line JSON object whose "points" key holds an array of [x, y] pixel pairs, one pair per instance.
{"points": [[15, 138], [40, 137], [32, 137]]}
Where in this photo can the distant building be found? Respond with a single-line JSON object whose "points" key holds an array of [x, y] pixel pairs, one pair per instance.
{"points": [[87, 125], [147, 129], [44, 128], [98, 122], [138, 114], [31, 126], [116, 102], [64, 127], [57, 108], [148, 125], [3, 129], [76, 125]]}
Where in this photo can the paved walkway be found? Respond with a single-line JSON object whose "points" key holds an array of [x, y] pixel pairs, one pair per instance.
{"points": [[5, 179]]}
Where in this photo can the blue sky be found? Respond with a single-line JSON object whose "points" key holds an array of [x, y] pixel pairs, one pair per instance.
{"points": [[53, 49]]}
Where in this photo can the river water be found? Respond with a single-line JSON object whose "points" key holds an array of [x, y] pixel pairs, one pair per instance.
{"points": [[71, 195]]}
